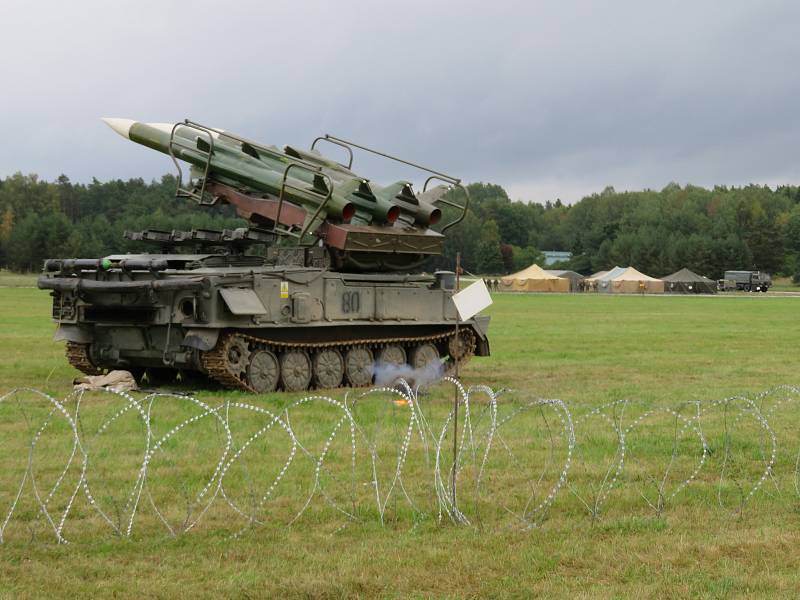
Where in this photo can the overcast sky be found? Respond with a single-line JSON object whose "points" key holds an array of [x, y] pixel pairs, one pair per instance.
{"points": [[549, 99]]}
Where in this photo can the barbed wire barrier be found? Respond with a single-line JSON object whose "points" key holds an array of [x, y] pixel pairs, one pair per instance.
{"points": [[98, 463]]}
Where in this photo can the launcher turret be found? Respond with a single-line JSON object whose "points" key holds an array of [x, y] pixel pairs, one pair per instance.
{"points": [[304, 195]]}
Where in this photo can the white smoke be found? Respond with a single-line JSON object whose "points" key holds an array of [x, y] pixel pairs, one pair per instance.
{"points": [[388, 374]]}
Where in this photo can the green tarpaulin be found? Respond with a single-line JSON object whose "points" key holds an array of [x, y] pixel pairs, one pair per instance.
{"points": [[688, 282]]}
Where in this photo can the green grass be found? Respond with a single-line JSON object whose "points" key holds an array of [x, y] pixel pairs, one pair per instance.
{"points": [[784, 284], [584, 349], [9, 279]]}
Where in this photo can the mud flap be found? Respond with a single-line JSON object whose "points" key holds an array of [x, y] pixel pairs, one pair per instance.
{"points": [[481, 327], [73, 333]]}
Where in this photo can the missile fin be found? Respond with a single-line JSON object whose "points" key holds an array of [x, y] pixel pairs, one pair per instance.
{"points": [[433, 195], [319, 184], [250, 150]]}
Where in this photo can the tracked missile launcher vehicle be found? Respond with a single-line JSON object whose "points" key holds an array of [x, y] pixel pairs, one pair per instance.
{"points": [[319, 289]]}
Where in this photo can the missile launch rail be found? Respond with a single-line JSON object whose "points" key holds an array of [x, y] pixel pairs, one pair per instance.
{"points": [[318, 291]]}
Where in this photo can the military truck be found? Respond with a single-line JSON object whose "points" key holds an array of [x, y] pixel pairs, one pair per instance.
{"points": [[755, 281], [321, 289]]}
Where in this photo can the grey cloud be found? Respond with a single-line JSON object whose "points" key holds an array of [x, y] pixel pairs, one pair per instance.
{"points": [[550, 99]]}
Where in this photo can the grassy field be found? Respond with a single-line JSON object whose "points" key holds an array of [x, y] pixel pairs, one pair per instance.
{"points": [[9, 279], [586, 350], [785, 284]]}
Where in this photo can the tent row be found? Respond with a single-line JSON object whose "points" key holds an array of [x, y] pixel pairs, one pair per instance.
{"points": [[619, 280]]}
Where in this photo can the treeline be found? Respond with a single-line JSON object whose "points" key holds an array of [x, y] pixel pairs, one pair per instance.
{"points": [[40, 219], [658, 232]]}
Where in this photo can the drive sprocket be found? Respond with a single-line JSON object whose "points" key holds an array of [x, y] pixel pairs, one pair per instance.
{"points": [[78, 357]]}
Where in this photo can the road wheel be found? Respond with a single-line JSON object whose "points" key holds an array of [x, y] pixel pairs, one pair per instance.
{"points": [[358, 366], [392, 355], [79, 356], [263, 372], [746, 287], [423, 355], [328, 368], [295, 370]]}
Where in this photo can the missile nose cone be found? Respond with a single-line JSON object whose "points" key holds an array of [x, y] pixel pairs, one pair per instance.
{"points": [[121, 126]]}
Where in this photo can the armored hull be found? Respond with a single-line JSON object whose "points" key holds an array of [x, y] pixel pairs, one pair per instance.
{"points": [[255, 327]]}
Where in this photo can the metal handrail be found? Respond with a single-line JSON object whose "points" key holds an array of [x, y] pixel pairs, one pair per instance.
{"points": [[449, 203], [350, 145], [314, 171], [185, 192], [327, 138]]}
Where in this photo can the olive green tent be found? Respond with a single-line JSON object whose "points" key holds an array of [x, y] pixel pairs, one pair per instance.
{"points": [[575, 279], [688, 282]]}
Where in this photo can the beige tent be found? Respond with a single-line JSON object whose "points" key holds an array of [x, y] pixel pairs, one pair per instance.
{"points": [[598, 275], [631, 281], [534, 279], [599, 282]]}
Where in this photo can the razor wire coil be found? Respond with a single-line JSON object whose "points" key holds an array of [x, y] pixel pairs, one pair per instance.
{"points": [[363, 465]]}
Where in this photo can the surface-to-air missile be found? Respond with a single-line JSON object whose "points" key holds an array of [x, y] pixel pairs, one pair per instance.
{"points": [[333, 294], [326, 190]]}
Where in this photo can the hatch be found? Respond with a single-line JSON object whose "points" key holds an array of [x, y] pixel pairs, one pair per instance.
{"points": [[242, 301]]}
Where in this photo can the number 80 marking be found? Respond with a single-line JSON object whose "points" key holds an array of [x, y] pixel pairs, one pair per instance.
{"points": [[351, 302]]}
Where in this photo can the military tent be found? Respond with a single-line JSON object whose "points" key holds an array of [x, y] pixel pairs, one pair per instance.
{"points": [[599, 281], [688, 282], [534, 279], [630, 281], [575, 279]]}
